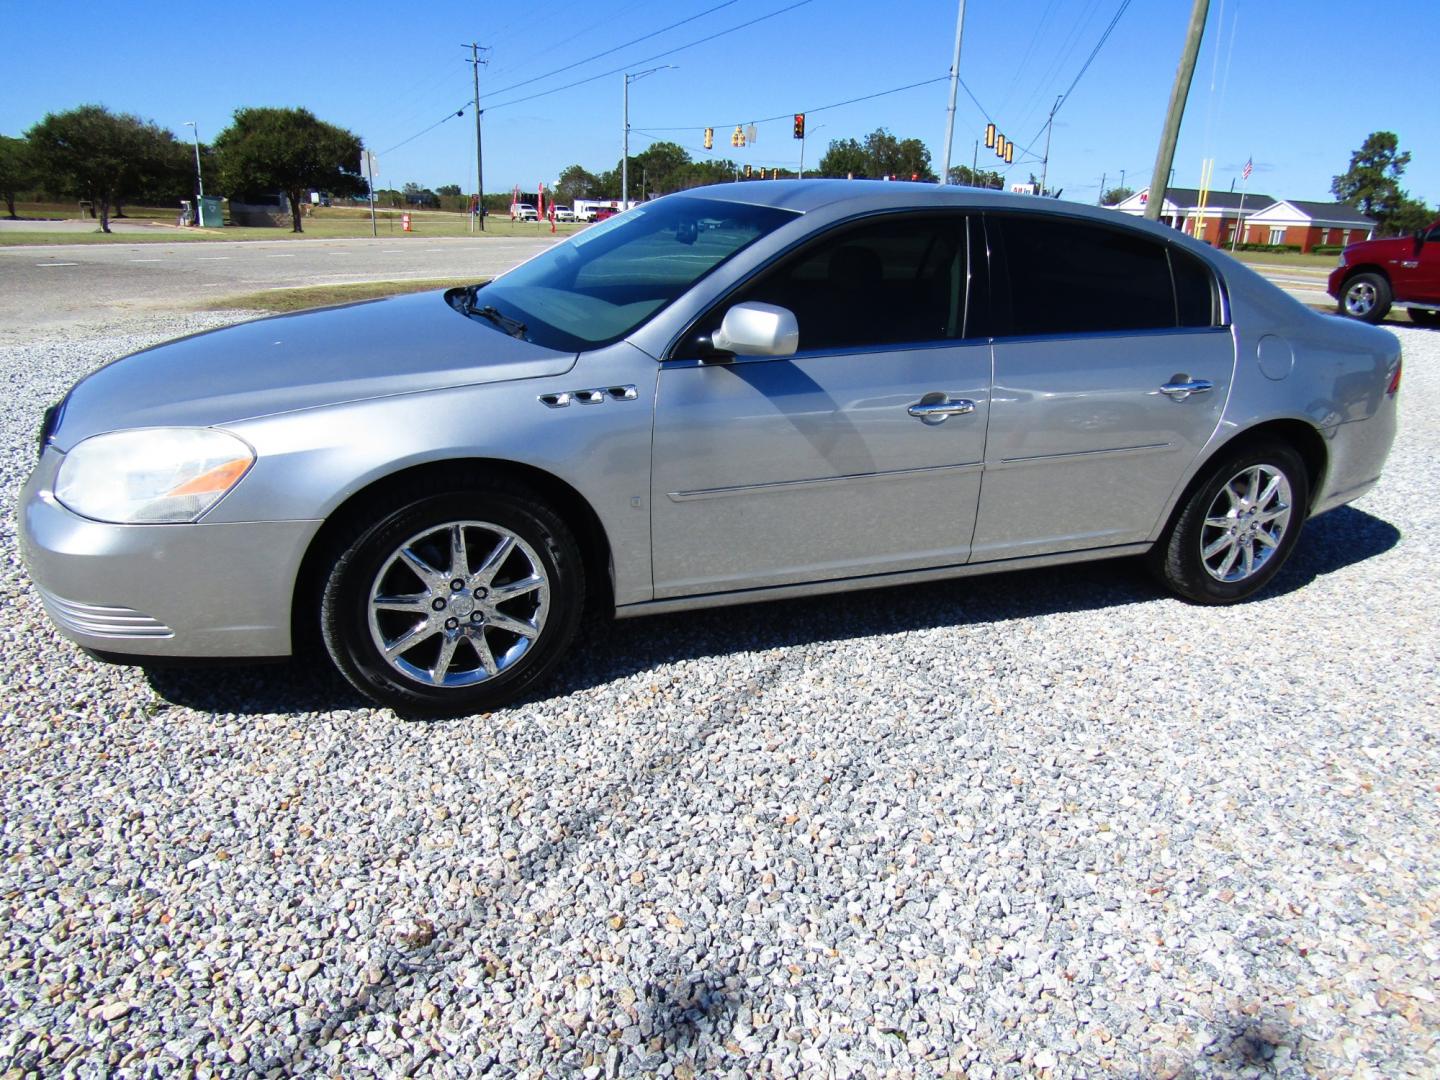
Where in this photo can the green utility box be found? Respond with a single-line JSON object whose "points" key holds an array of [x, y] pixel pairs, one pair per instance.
{"points": [[211, 214]]}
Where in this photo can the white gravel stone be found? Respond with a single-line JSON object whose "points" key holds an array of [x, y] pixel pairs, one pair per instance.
{"points": [[1053, 820]]}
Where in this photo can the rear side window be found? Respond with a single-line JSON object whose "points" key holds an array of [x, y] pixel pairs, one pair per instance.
{"points": [[890, 281], [1196, 300], [1069, 277]]}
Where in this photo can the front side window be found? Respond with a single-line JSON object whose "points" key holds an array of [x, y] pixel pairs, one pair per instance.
{"points": [[890, 281], [606, 280]]}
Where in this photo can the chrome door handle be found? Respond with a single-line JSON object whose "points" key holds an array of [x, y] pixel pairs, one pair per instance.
{"points": [[1181, 389], [934, 408]]}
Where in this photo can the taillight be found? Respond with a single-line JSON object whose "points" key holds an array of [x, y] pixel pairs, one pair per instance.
{"points": [[1394, 387]]}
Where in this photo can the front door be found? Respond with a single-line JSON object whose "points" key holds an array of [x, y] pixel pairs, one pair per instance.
{"points": [[775, 471]]}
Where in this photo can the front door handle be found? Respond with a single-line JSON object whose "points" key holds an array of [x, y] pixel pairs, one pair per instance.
{"points": [[935, 408], [1182, 387]]}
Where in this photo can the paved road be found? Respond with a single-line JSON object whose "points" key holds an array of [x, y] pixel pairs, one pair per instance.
{"points": [[65, 283]]}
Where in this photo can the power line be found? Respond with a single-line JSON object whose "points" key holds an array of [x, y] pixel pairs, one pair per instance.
{"points": [[617, 48], [821, 108], [426, 131], [647, 59], [606, 74]]}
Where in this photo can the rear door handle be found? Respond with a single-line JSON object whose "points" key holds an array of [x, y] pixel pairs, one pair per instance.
{"points": [[1182, 388], [935, 408]]}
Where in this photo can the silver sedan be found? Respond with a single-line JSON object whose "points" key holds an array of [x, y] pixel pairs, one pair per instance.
{"points": [[750, 392]]}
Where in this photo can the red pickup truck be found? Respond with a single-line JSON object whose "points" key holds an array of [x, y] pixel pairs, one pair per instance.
{"points": [[1376, 275]]}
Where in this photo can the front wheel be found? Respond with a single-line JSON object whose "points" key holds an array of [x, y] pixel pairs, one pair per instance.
{"points": [[455, 603], [1366, 297], [1238, 527]]}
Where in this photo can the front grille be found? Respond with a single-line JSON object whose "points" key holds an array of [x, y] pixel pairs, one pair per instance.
{"points": [[102, 620]]}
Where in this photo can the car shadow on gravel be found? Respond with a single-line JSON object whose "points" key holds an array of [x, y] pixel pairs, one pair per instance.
{"points": [[608, 650]]}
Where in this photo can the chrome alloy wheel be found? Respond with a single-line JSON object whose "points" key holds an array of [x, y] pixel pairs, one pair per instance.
{"points": [[481, 603], [1245, 524], [1360, 299]]}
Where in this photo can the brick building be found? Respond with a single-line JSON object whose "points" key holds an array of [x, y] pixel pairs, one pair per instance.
{"points": [[1307, 224], [1215, 225]]}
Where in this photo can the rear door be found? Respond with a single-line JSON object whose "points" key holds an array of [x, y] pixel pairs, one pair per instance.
{"points": [[772, 471], [1099, 330]]}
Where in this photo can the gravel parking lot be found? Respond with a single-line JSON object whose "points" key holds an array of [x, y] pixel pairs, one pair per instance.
{"points": [[1052, 823]]}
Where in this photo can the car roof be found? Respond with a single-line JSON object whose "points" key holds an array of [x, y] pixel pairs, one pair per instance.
{"points": [[861, 196]]}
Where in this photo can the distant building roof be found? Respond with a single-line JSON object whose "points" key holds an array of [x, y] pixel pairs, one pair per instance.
{"points": [[1189, 198], [1329, 211]]}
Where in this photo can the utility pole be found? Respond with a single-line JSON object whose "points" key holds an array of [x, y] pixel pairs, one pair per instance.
{"points": [[1101, 200], [370, 176], [199, 180], [1170, 134], [475, 63], [625, 153], [625, 142], [954, 88], [1049, 125]]}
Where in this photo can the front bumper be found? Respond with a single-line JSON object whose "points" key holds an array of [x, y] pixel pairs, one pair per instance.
{"points": [[1336, 280], [202, 590]]}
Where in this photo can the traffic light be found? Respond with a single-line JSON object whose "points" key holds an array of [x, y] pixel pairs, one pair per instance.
{"points": [[989, 136], [738, 138], [1000, 145], [799, 125], [1009, 152], [709, 138], [747, 168], [762, 172]]}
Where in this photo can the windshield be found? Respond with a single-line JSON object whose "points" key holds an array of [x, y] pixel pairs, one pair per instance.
{"points": [[605, 281]]}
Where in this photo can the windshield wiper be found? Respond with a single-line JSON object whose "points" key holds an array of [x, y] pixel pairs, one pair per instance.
{"points": [[514, 327]]}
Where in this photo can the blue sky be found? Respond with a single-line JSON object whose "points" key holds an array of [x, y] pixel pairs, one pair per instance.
{"points": [[1297, 84]]}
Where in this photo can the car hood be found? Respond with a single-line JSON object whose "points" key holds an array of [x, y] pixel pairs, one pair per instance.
{"points": [[378, 348], [1396, 247]]}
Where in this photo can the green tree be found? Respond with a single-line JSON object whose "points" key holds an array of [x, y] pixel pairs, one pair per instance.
{"points": [[93, 153], [1412, 216], [1372, 183], [981, 178], [448, 189], [16, 171], [576, 182], [1116, 195], [289, 150], [845, 157], [881, 154], [662, 167]]}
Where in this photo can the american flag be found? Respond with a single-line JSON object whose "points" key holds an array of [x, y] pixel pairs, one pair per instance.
{"points": [[1249, 168]]}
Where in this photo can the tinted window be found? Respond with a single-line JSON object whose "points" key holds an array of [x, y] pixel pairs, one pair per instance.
{"points": [[1195, 295], [606, 280], [887, 282], [1067, 277]]}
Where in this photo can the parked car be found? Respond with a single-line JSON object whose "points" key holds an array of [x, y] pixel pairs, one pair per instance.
{"points": [[1376, 275], [523, 212], [564, 213], [837, 387], [605, 212]]}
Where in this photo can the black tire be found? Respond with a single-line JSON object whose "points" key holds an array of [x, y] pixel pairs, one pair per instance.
{"points": [[1422, 317], [1179, 559], [1366, 297], [367, 564]]}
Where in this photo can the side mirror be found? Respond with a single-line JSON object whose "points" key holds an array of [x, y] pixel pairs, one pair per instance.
{"points": [[753, 329]]}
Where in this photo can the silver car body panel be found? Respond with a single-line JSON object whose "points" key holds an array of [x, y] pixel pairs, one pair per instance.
{"points": [[772, 478]]}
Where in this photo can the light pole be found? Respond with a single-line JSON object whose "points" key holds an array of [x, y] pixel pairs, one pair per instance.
{"points": [[808, 129], [199, 180], [625, 143]]}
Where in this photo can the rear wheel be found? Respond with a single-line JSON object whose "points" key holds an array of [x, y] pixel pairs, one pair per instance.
{"points": [[1366, 297], [454, 603], [1422, 317], [1238, 527]]}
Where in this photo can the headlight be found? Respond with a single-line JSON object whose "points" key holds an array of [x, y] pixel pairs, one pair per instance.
{"points": [[151, 475]]}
